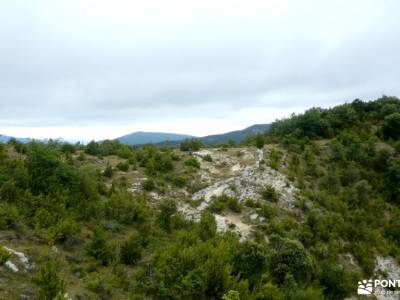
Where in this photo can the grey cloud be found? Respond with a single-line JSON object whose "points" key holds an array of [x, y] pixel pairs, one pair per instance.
{"points": [[50, 77]]}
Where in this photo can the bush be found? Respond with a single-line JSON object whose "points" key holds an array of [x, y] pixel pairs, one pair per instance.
{"points": [[108, 171], [338, 283], [148, 185], [270, 194], [231, 295], [4, 255], [190, 145], [62, 230], [289, 256], [126, 208], [274, 159], [225, 201], [167, 209], [192, 162], [8, 216], [99, 248], [391, 126], [269, 291], [234, 205], [131, 249], [207, 226], [92, 148], [260, 141], [250, 260], [179, 181], [48, 280], [123, 166]]}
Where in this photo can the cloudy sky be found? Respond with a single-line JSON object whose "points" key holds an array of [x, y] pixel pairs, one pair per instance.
{"points": [[92, 69]]}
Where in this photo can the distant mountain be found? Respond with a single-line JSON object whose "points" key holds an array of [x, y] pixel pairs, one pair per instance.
{"points": [[141, 137], [6, 138], [237, 136]]}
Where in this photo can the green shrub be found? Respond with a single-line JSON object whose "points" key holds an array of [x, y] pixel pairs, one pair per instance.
{"points": [[260, 141], [108, 171], [234, 205], [269, 291], [391, 126], [192, 162], [224, 201], [148, 185], [4, 255], [269, 193], [123, 166], [9, 216], [48, 280], [190, 145], [338, 282], [179, 181], [231, 295], [274, 159], [167, 209], [126, 208], [99, 247], [289, 256], [250, 260], [207, 225], [131, 249]]}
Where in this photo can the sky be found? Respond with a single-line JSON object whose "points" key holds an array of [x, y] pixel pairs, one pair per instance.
{"points": [[93, 69]]}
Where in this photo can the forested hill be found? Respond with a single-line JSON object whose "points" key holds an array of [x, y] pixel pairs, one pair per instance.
{"points": [[358, 138], [304, 211]]}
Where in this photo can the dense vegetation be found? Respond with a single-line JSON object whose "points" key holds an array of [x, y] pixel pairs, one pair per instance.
{"points": [[70, 208]]}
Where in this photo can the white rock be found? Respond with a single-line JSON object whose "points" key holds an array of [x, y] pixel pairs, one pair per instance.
{"points": [[248, 184], [21, 256], [389, 266], [11, 266]]}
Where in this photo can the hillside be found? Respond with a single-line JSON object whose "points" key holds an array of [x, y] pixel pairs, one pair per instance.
{"points": [[141, 138], [303, 211], [236, 136]]}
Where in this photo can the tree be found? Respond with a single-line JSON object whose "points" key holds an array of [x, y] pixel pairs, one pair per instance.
{"points": [[207, 225], [269, 291], [190, 145], [92, 148], [250, 260], [269, 193], [192, 162], [148, 185], [108, 171], [393, 179], [391, 126], [131, 249], [260, 141], [359, 193], [231, 295], [99, 248], [167, 209], [48, 280], [338, 283], [290, 257]]}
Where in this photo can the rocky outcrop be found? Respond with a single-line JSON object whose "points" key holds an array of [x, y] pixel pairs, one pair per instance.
{"points": [[18, 261], [248, 184], [245, 176]]}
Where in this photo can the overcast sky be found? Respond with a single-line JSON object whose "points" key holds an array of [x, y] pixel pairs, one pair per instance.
{"points": [[100, 69]]}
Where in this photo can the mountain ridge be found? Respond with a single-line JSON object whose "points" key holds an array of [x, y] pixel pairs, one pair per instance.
{"points": [[236, 136]]}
